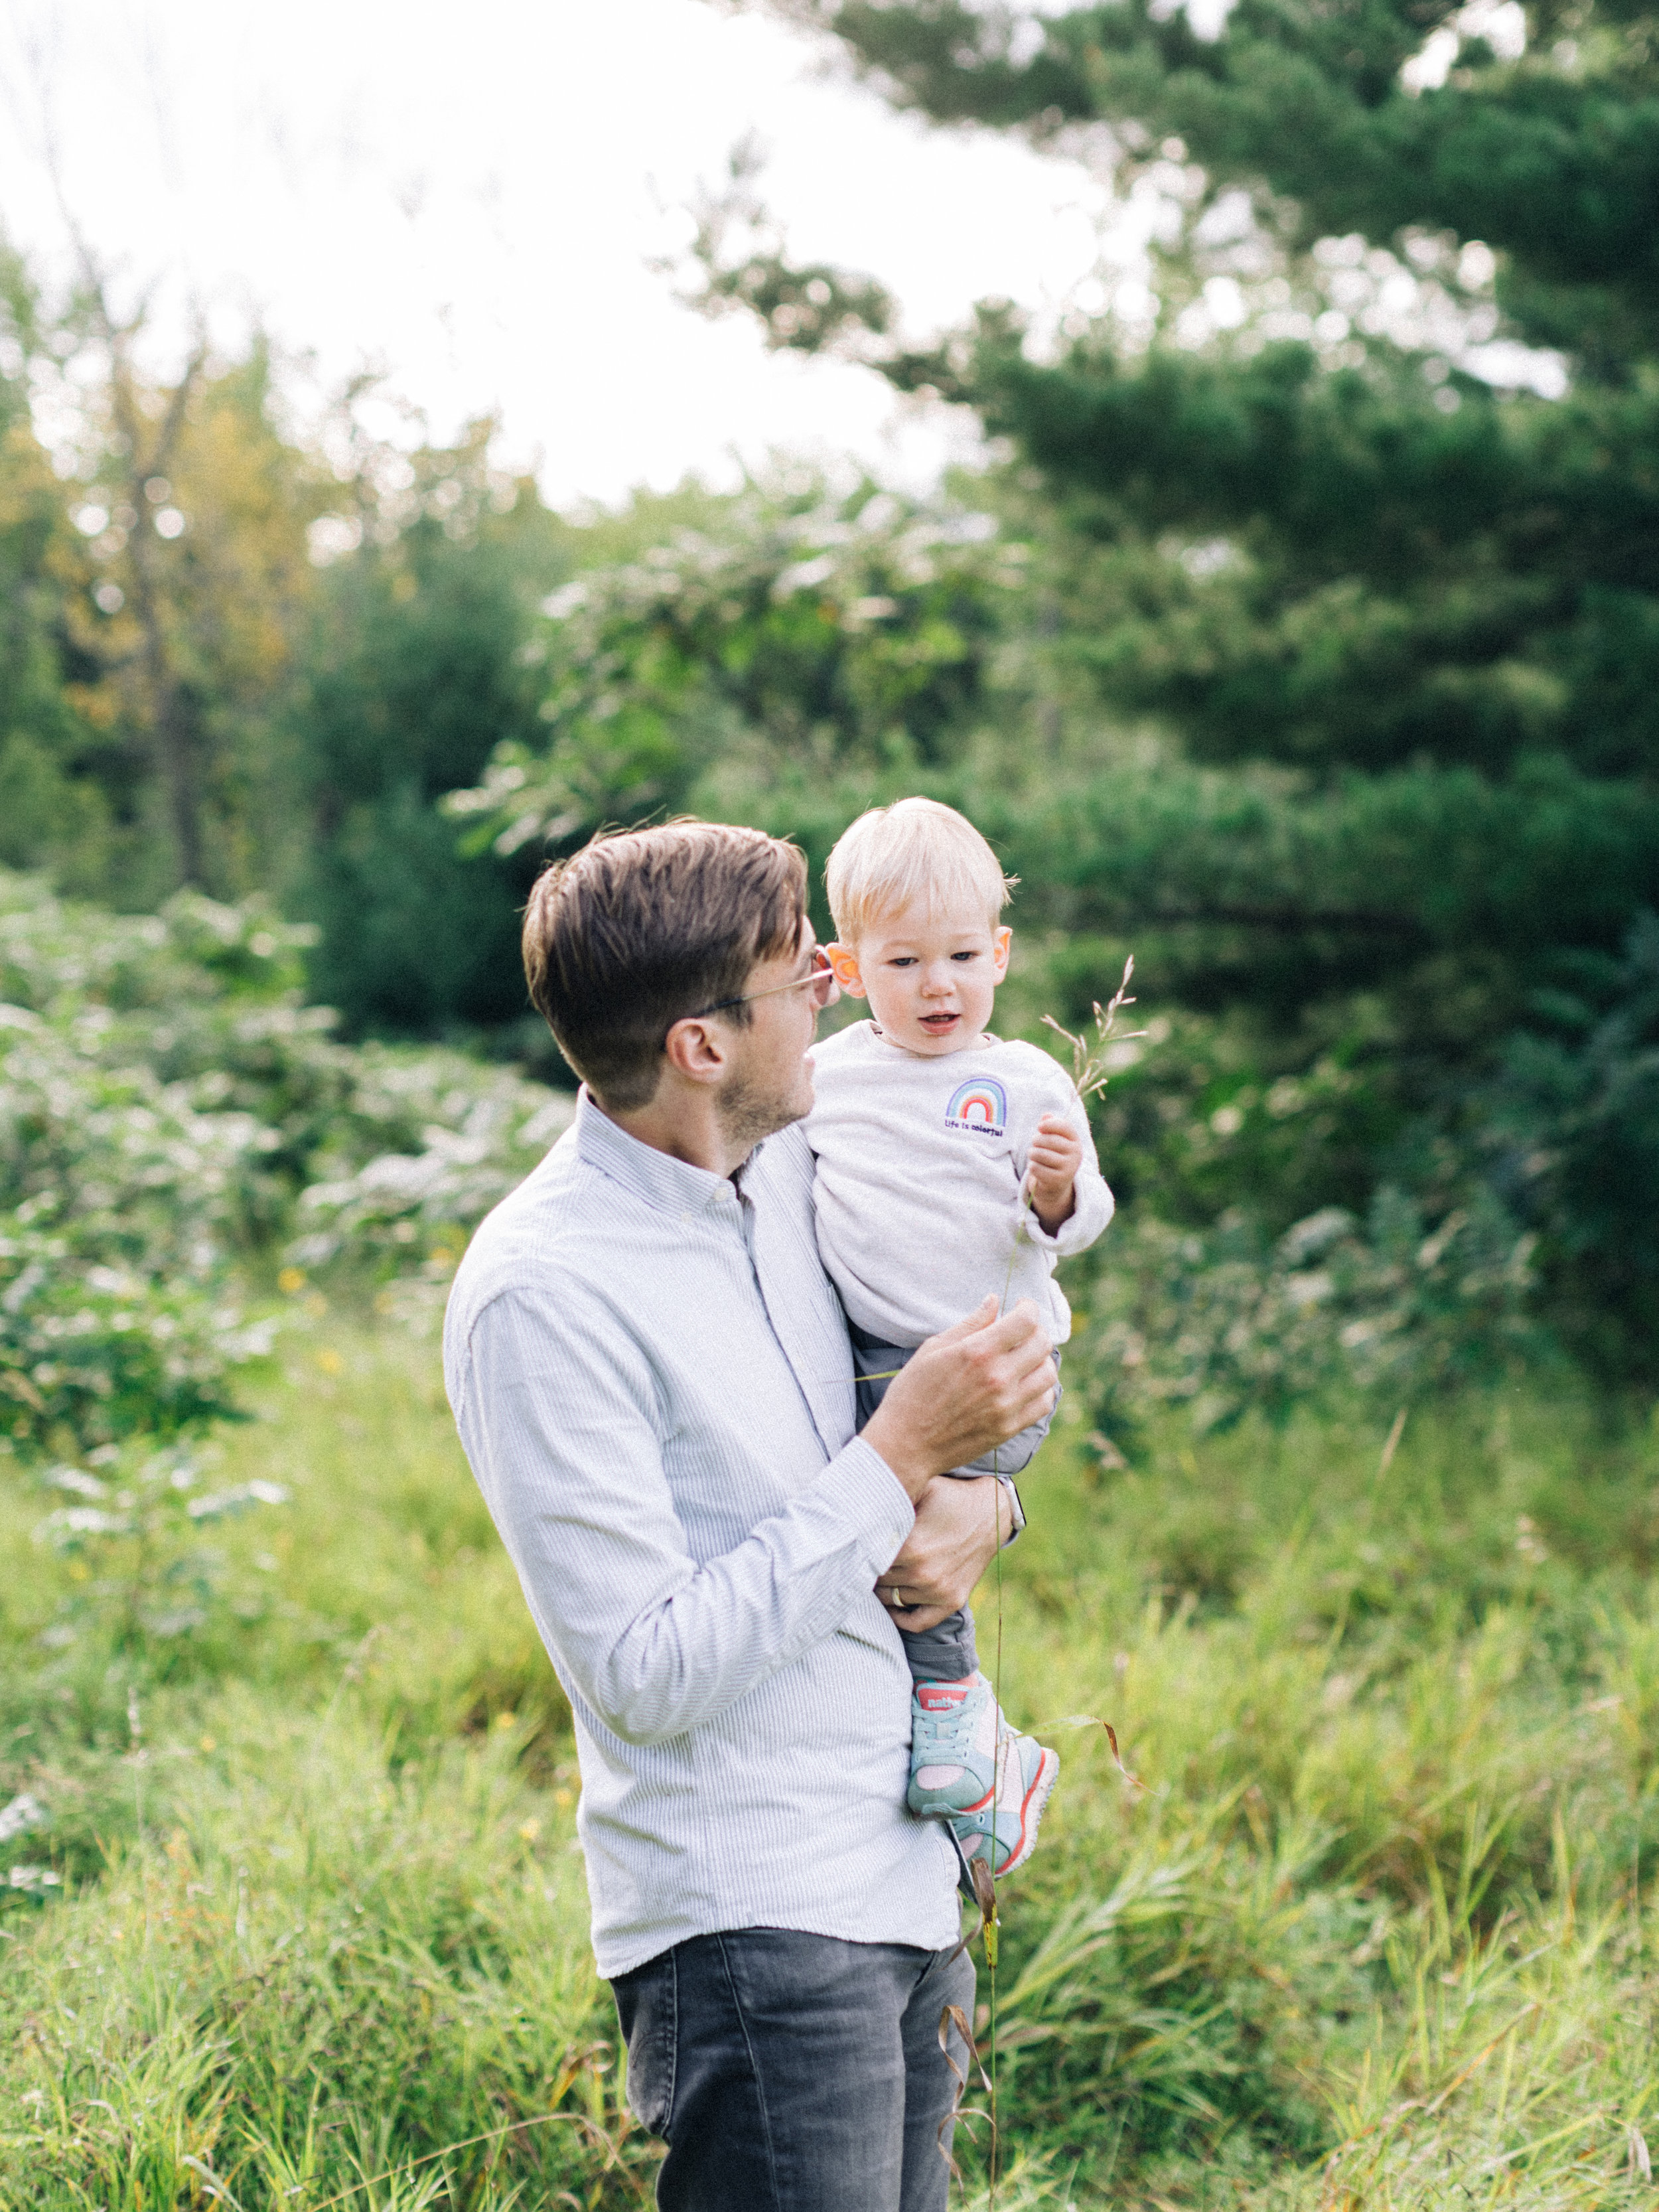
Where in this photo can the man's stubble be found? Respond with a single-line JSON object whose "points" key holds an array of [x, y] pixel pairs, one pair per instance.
{"points": [[752, 1108]]}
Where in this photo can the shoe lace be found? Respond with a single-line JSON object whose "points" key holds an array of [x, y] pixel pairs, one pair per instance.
{"points": [[952, 1731]]}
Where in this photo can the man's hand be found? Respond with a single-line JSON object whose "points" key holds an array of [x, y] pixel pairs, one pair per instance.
{"points": [[964, 1392], [1056, 1155], [959, 1528]]}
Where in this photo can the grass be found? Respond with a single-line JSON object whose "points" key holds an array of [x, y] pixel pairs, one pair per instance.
{"points": [[1374, 1931]]}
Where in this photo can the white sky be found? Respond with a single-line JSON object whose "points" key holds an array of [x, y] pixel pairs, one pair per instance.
{"points": [[468, 196]]}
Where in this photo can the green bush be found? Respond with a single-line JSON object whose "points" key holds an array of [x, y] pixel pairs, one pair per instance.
{"points": [[1572, 1132], [135, 1532], [1224, 1323], [173, 1117]]}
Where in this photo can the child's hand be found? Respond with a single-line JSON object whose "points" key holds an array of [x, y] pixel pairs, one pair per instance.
{"points": [[1051, 1177]]}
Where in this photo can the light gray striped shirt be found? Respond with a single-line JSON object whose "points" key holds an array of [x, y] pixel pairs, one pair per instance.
{"points": [[651, 1376]]}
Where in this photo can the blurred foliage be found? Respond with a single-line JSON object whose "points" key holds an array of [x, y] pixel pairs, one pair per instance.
{"points": [[1300, 635], [173, 1116], [134, 1535], [419, 661], [1574, 1126], [159, 598], [1225, 1324], [793, 630], [240, 661], [1342, 512]]}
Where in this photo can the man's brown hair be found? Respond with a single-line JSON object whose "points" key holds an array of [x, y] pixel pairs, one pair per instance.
{"points": [[643, 927]]}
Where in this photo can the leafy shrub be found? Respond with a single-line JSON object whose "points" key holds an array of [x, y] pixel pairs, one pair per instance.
{"points": [[121, 1205], [97, 1353], [1224, 1323], [1574, 1122], [136, 1530], [805, 631], [171, 1112], [481, 1131], [1201, 1119], [203, 1003]]}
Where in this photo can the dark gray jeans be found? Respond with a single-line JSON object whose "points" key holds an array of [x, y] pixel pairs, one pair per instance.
{"points": [[794, 2073]]}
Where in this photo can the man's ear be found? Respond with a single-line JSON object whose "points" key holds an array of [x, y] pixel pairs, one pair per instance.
{"points": [[1001, 940], [697, 1048], [844, 961]]}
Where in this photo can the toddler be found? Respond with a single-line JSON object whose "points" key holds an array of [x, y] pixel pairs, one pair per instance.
{"points": [[948, 1163]]}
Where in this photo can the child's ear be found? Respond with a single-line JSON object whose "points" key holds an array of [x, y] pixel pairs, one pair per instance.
{"points": [[845, 963], [1001, 940]]}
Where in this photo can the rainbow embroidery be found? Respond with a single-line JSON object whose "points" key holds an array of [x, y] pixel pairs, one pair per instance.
{"points": [[980, 1104]]}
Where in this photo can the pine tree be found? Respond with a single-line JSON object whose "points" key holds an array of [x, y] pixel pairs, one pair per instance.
{"points": [[1364, 513], [1437, 567]]}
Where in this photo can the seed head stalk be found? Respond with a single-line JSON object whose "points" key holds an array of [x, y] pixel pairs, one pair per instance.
{"points": [[1090, 1068], [991, 1929], [1090, 1072]]}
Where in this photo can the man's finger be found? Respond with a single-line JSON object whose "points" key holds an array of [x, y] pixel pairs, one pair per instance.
{"points": [[915, 1618], [1020, 1326], [1026, 1369], [1002, 1331], [982, 1316], [1037, 1386], [1020, 1320]]}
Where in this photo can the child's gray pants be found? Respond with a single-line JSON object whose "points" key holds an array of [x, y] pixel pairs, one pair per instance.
{"points": [[946, 1652]]}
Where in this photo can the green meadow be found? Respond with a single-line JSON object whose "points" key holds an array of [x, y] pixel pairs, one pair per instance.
{"points": [[1369, 1925]]}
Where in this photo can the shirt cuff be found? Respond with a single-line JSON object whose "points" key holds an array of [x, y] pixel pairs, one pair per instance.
{"points": [[1007, 1482], [1040, 1236], [879, 1501], [1094, 1209]]}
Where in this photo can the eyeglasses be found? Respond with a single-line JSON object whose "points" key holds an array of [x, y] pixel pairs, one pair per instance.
{"points": [[820, 977]]}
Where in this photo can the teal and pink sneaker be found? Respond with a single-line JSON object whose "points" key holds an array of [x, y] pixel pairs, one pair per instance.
{"points": [[969, 1767]]}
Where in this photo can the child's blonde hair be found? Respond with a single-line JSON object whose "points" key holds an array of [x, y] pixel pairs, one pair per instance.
{"points": [[916, 850]]}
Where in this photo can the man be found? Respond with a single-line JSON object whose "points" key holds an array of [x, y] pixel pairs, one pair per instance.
{"points": [[653, 1379]]}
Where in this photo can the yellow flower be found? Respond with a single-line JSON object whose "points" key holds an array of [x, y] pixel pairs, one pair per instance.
{"points": [[291, 1279]]}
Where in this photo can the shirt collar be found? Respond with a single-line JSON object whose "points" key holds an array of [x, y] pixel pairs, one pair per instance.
{"points": [[672, 1186]]}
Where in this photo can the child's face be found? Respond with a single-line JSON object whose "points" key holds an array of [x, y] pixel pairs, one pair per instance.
{"points": [[931, 980]]}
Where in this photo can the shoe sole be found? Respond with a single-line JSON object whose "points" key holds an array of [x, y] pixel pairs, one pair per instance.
{"points": [[929, 1805], [932, 1805], [1032, 1807]]}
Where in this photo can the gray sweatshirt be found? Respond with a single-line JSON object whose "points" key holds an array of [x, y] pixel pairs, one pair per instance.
{"points": [[919, 1166]]}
